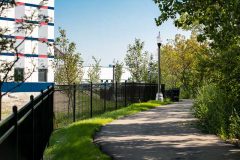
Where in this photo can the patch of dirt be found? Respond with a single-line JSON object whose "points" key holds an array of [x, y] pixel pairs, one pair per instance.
{"points": [[15, 99]]}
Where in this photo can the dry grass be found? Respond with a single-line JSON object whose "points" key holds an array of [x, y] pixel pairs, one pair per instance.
{"points": [[15, 99]]}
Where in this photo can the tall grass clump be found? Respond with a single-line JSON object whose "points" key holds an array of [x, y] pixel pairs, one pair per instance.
{"points": [[216, 112]]}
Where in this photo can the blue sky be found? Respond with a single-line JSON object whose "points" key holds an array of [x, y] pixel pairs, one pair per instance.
{"points": [[104, 28]]}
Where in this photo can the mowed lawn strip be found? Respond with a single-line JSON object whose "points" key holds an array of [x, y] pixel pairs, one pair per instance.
{"points": [[75, 142]]}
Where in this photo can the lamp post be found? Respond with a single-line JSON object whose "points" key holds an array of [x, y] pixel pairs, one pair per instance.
{"points": [[113, 67], [159, 95]]}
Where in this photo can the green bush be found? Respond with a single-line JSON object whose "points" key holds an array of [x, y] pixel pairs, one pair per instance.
{"points": [[216, 112], [234, 128], [209, 108], [185, 94]]}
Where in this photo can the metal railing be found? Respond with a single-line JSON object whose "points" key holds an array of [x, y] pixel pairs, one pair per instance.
{"points": [[25, 134], [76, 102]]}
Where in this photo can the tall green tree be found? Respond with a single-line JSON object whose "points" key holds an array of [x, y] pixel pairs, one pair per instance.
{"points": [[137, 61], [152, 70], [68, 62], [118, 70], [217, 20], [68, 66], [218, 23], [180, 64], [94, 71]]}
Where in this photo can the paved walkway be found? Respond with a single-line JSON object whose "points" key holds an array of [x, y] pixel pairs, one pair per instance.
{"points": [[164, 133]]}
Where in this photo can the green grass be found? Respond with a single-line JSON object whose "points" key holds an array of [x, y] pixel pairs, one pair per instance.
{"points": [[62, 118], [75, 142]]}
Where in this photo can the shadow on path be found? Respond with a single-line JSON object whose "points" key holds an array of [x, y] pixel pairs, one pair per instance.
{"points": [[164, 133]]}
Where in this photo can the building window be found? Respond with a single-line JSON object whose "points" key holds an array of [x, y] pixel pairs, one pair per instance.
{"points": [[42, 75], [18, 74]]}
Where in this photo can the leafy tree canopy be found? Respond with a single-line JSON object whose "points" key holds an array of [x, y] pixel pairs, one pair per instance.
{"points": [[184, 64], [118, 70], [94, 71], [216, 20], [137, 61], [68, 63]]}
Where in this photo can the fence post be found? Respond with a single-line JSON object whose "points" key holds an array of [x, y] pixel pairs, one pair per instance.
{"points": [[125, 93], [41, 95], [74, 102], [33, 126], [52, 108], [116, 96], [91, 96], [15, 112], [105, 95], [143, 92], [150, 94], [139, 92], [48, 112], [132, 93]]}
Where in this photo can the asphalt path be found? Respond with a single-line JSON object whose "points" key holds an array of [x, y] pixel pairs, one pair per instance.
{"points": [[164, 133]]}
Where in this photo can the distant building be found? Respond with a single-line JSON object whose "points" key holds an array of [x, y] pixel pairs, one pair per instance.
{"points": [[106, 75], [34, 51]]}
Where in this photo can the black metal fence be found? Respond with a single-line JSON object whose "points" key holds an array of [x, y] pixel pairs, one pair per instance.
{"points": [[76, 102], [25, 134], [172, 94]]}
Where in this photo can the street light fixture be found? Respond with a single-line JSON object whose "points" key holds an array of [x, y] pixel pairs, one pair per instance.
{"points": [[159, 95]]}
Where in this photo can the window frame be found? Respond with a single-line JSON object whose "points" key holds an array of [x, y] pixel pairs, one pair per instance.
{"points": [[45, 73], [16, 76]]}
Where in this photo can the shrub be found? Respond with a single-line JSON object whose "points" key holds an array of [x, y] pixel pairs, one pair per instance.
{"points": [[185, 94], [234, 127], [210, 108]]}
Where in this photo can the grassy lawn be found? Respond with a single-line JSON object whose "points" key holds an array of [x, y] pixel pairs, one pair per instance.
{"points": [[75, 142], [62, 118]]}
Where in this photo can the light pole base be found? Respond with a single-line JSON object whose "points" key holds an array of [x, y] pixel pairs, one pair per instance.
{"points": [[159, 97]]}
